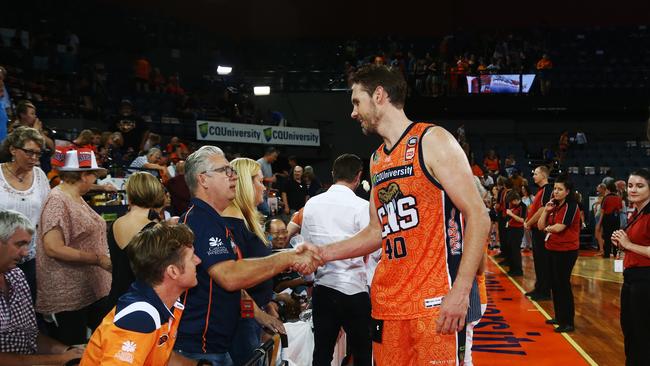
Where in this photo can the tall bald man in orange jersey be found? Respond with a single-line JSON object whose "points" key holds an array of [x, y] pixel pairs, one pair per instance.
{"points": [[428, 217]]}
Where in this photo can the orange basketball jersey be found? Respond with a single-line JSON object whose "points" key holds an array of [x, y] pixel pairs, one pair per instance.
{"points": [[422, 232]]}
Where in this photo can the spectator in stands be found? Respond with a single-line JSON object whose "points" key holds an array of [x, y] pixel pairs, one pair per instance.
{"points": [[491, 163], [177, 188], [132, 128], [563, 145], [141, 70], [611, 207], [294, 192], [243, 219], [147, 317], [340, 297], [177, 149], [212, 308], [153, 140], [72, 249], [517, 180], [158, 81], [26, 116], [144, 193], [560, 220], [635, 240], [174, 86], [310, 181], [152, 161], [84, 140], [601, 191], [544, 67], [24, 188], [510, 165], [276, 232], [527, 199], [270, 156], [20, 341], [476, 169], [581, 139]]}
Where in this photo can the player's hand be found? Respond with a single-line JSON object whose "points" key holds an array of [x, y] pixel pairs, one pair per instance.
{"points": [[72, 354], [452, 312]]}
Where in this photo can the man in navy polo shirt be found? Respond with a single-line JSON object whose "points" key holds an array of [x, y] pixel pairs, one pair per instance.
{"points": [[214, 306]]}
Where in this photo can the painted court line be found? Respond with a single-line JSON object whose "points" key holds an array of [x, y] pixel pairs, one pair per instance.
{"points": [[547, 316]]}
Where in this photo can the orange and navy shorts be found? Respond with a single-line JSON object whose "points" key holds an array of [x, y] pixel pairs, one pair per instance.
{"points": [[415, 342]]}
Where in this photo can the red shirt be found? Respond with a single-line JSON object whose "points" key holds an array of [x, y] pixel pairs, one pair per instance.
{"points": [[491, 164], [520, 211], [638, 230], [611, 203], [568, 239], [542, 197]]}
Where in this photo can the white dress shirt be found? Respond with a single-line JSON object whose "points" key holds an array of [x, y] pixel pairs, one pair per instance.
{"points": [[332, 216]]}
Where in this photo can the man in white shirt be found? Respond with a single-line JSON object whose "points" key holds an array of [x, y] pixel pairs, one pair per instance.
{"points": [[340, 296]]}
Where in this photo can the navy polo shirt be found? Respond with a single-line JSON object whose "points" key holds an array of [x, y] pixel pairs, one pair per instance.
{"points": [[252, 247], [134, 321], [211, 313]]}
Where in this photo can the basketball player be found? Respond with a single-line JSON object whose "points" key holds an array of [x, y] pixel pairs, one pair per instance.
{"points": [[426, 214]]}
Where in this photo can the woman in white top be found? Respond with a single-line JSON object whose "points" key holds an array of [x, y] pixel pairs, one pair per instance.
{"points": [[24, 187]]}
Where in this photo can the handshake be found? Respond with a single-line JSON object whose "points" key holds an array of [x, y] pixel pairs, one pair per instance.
{"points": [[307, 258]]}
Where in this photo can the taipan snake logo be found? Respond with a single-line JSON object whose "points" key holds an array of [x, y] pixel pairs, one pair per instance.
{"points": [[390, 193]]}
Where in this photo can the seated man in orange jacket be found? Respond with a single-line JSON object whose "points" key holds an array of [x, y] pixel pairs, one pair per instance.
{"points": [[141, 329]]}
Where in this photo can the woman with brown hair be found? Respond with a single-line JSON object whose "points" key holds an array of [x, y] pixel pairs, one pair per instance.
{"points": [[560, 220], [145, 194], [72, 265]]}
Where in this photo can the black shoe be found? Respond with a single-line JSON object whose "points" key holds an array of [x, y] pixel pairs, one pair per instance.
{"points": [[540, 297], [531, 293], [551, 321], [564, 329], [515, 273]]}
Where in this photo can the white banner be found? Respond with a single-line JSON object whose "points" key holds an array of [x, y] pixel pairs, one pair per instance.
{"points": [[256, 134]]}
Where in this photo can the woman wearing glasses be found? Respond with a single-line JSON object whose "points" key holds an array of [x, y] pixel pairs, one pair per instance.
{"points": [[24, 187], [245, 222]]}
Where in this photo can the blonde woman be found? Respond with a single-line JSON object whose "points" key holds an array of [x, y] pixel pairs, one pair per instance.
{"points": [[145, 194], [245, 222]]}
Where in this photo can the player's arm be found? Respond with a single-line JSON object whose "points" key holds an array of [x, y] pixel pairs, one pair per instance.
{"points": [[446, 161]]}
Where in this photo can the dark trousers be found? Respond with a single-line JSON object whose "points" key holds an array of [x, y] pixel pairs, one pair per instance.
{"points": [[503, 238], [70, 327], [561, 266], [610, 224], [635, 318], [514, 236], [332, 310], [542, 266], [29, 269]]}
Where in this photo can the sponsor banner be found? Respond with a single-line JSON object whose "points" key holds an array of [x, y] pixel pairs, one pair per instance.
{"points": [[256, 134]]}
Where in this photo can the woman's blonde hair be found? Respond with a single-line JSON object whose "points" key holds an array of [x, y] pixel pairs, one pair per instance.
{"points": [[247, 169], [145, 190]]}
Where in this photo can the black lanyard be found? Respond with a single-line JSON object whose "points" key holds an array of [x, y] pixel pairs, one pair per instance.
{"points": [[643, 211]]}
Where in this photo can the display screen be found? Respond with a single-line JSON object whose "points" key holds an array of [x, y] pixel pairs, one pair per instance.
{"points": [[500, 83]]}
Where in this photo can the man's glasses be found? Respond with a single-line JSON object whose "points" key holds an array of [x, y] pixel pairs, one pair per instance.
{"points": [[31, 153], [224, 169]]}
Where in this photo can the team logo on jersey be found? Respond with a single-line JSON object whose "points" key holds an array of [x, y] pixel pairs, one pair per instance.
{"points": [[216, 246], [410, 153], [412, 141], [127, 351]]}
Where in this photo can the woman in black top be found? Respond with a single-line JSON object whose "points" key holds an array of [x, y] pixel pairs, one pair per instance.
{"points": [[145, 194], [245, 222]]}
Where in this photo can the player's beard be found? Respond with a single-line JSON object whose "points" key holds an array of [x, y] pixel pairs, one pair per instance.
{"points": [[368, 124]]}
